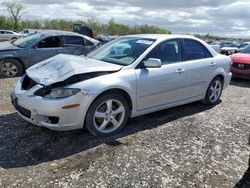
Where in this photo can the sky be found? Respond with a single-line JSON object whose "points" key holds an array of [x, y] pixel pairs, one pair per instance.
{"points": [[218, 17]]}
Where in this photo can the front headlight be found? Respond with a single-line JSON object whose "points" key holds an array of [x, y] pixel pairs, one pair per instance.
{"points": [[58, 93]]}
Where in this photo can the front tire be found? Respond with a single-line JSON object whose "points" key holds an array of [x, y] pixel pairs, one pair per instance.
{"points": [[10, 68], [214, 91], [107, 115]]}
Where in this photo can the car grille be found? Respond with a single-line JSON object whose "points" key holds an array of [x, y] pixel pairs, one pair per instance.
{"points": [[28, 83], [241, 66], [26, 113]]}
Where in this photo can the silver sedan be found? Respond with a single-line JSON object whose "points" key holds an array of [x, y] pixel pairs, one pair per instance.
{"points": [[129, 77]]}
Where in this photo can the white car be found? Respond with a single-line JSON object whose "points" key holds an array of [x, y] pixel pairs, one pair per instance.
{"points": [[103, 90], [6, 35]]}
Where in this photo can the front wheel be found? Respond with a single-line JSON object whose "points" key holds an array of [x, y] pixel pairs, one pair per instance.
{"points": [[214, 91], [10, 68], [107, 115]]}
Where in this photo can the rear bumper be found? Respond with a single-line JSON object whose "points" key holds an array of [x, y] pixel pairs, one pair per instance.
{"points": [[227, 80]]}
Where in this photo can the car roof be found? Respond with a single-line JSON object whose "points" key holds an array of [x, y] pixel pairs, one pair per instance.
{"points": [[161, 36], [65, 33]]}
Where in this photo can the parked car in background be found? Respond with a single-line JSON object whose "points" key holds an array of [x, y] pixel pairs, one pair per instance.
{"points": [[106, 38], [16, 57], [28, 32], [104, 89], [216, 47], [241, 63], [229, 48], [6, 35]]}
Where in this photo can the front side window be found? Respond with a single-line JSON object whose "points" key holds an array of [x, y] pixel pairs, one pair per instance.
{"points": [[195, 50], [73, 40], [123, 51], [168, 52], [50, 42]]}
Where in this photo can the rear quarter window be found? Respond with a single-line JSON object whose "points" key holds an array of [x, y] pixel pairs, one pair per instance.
{"points": [[194, 50]]}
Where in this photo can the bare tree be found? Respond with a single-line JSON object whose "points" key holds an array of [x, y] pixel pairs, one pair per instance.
{"points": [[16, 10]]}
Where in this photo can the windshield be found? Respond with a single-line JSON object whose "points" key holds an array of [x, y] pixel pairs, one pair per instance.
{"points": [[26, 41], [246, 50], [123, 51]]}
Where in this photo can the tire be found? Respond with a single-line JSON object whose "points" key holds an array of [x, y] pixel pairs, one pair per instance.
{"points": [[10, 68], [214, 91], [13, 39], [107, 115]]}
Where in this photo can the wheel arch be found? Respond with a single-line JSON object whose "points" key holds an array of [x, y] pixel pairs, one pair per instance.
{"points": [[120, 91], [16, 58]]}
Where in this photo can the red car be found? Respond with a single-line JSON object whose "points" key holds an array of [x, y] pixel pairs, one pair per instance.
{"points": [[241, 63]]}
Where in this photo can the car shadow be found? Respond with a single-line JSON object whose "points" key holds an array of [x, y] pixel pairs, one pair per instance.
{"points": [[23, 144], [245, 180], [239, 82]]}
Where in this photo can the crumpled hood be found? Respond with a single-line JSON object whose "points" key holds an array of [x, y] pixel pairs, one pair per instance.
{"points": [[7, 46], [61, 67]]}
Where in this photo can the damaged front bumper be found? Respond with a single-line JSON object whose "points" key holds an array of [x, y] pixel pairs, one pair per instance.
{"points": [[50, 113]]}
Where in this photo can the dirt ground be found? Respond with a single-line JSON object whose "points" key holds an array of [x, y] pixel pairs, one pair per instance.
{"points": [[189, 146]]}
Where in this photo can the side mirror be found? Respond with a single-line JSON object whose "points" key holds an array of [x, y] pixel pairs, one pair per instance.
{"points": [[152, 63]]}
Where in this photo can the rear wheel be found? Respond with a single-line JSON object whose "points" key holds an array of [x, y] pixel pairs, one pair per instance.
{"points": [[107, 115], [214, 91], [13, 39], [10, 68]]}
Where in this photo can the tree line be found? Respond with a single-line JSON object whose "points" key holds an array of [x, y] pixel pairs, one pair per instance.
{"points": [[16, 11], [110, 28]]}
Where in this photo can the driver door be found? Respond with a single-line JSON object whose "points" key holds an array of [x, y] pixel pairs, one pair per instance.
{"points": [[46, 48], [165, 86]]}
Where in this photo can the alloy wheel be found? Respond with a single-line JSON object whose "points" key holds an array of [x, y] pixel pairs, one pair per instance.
{"points": [[215, 91], [9, 69], [109, 116]]}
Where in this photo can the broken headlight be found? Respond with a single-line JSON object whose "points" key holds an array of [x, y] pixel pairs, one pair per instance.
{"points": [[58, 93]]}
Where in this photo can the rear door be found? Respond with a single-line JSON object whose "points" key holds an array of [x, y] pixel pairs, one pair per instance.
{"points": [[200, 66], [46, 48], [163, 86]]}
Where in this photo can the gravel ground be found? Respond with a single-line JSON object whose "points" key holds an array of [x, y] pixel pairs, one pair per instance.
{"points": [[189, 146]]}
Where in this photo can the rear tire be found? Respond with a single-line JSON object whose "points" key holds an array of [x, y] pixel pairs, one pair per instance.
{"points": [[107, 115], [214, 91], [10, 68], [13, 39]]}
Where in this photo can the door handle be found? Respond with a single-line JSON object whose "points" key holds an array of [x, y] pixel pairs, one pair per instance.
{"points": [[212, 64], [180, 71]]}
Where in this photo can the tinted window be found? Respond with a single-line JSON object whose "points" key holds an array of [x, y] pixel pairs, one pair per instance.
{"points": [[195, 50], [2, 32], [8, 32], [74, 40], [88, 43], [167, 52], [50, 42]]}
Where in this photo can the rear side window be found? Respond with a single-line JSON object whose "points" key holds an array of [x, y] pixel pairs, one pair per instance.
{"points": [[195, 50], [74, 40]]}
